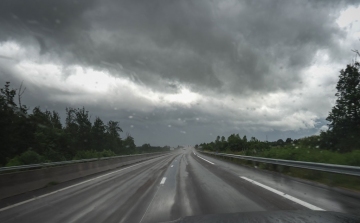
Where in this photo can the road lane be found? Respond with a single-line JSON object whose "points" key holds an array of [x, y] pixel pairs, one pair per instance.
{"points": [[160, 208], [119, 197], [330, 199], [204, 159], [267, 200], [287, 196], [180, 184], [197, 190]]}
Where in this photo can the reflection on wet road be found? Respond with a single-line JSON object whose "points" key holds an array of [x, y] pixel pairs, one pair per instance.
{"points": [[179, 184]]}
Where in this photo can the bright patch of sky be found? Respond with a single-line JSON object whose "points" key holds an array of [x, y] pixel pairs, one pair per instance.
{"points": [[278, 110]]}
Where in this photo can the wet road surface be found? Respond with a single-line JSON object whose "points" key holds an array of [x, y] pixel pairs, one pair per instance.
{"points": [[166, 188]]}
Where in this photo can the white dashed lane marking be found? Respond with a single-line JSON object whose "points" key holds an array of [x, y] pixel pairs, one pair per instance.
{"points": [[206, 160], [294, 199], [163, 180]]}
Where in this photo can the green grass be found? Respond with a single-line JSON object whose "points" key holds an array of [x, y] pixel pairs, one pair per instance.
{"points": [[309, 155], [31, 157]]}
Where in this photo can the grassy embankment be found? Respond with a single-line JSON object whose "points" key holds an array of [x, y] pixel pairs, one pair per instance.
{"points": [[308, 155]]}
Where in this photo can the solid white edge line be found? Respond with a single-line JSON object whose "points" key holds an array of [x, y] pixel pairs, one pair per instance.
{"points": [[163, 180], [294, 199], [65, 188], [206, 160]]}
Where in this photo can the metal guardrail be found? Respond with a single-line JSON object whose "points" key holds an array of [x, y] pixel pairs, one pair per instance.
{"points": [[40, 165], [332, 168]]}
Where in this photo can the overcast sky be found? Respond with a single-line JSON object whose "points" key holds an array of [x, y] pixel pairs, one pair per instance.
{"points": [[182, 72]]}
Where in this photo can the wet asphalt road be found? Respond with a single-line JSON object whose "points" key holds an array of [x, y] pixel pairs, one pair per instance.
{"points": [[179, 184]]}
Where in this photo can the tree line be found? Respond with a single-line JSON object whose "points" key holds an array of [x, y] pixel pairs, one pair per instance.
{"points": [[39, 136], [343, 135]]}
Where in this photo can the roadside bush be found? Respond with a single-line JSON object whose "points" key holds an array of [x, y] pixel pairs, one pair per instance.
{"points": [[89, 154], [28, 157], [353, 158], [107, 153], [53, 156], [14, 162], [308, 154]]}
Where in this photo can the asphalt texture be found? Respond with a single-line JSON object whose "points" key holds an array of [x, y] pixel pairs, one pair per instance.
{"points": [[179, 184]]}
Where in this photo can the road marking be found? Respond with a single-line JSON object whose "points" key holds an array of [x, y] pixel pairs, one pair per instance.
{"points": [[206, 160], [184, 158], [65, 188], [149, 204], [294, 199], [172, 165], [163, 180]]}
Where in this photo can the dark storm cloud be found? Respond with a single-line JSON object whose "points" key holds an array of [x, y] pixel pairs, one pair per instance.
{"points": [[227, 46], [248, 48]]}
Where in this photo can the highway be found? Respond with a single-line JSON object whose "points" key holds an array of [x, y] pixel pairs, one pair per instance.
{"points": [[182, 183]]}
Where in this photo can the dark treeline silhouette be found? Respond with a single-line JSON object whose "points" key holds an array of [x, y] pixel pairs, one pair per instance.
{"points": [[236, 143], [39, 136]]}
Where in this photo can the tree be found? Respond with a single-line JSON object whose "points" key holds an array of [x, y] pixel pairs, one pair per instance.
{"points": [[288, 141], [146, 146], [21, 91], [223, 139], [280, 142], [55, 120], [40, 137], [46, 130], [235, 143], [129, 144], [71, 131], [16, 131], [7, 96], [113, 128], [244, 139], [217, 139], [114, 140], [344, 117], [98, 137], [82, 119]]}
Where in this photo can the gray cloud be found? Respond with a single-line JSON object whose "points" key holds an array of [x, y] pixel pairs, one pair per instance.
{"points": [[216, 48], [229, 46]]}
